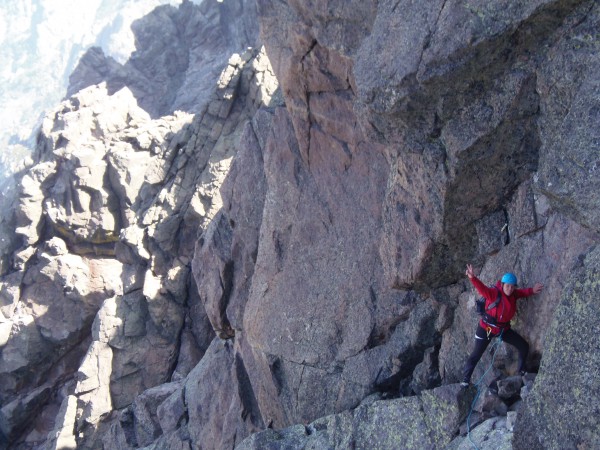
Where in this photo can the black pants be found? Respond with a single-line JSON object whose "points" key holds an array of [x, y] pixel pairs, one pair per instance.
{"points": [[481, 343]]}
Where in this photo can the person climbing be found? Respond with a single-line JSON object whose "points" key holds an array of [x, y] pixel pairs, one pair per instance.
{"points": [[500, 307]]}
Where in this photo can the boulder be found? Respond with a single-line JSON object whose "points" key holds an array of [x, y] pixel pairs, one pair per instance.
{"points": [[561, 409], [492, 434], [145, 408], [489, 404], [171, 413], [510, 387], [15, 415], [426, 422], [62, 437], [221, 408]]}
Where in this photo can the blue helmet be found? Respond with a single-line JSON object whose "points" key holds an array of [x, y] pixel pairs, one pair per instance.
{"points": [[509, 278]]}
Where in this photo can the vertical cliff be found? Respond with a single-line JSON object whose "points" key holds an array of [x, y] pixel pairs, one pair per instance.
{"points": [[461, 117], [315, 297]]}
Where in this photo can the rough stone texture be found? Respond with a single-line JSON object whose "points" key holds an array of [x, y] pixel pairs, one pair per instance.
{"points": [[146, 424], [555, 248], [456, 136], [558, 413], [8, 242], [510, 387], [106, 223], [488, 405], [568, 84], [179, 53], [427, 422], [229, 417], [410, 139], [458, 122], [62, 435], [492, 434], [13, 414]]}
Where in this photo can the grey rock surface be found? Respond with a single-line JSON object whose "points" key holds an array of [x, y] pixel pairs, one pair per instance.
{"points": [[561, 409], [568, 172], [459, 131], [491, 434], [285, 268], [179, 53], [99, 288], [426, 422]]}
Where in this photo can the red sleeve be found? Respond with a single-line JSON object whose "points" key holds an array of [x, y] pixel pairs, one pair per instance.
{"points": [[485, 291], [527, 292]]}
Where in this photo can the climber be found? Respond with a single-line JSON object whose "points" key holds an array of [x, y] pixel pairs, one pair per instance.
{"points": [[501, 305]]}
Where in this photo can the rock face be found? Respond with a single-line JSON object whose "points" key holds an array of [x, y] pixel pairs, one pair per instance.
{"points": [[456, 119], [419, 422], [98, 304], [542, 422], [179, 53], [175, 308]]}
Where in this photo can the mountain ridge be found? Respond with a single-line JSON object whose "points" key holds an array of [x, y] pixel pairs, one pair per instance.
{"points": [[285, 267]]}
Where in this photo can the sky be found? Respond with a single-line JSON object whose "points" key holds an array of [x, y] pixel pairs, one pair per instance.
{"points": [[41, 42]]}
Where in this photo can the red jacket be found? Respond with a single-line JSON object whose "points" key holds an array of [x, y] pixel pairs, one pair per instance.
{"points": [[506, 309]]}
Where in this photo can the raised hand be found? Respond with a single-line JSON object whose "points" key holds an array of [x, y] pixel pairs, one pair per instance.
{"points": [[470, 273]]}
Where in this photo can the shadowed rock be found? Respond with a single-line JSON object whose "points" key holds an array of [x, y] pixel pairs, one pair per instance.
{"points": [[408, 140]]}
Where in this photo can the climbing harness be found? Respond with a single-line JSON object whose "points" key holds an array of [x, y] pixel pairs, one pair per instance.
{"points": [[494, 348], [488, 331], [488, 319]]}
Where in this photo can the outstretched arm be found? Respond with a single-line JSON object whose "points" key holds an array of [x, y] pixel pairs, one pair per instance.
{"points": [[481, 288], [528, 292]]}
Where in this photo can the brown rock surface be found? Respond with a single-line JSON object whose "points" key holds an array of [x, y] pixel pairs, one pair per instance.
{"points": [[409, 139]]}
